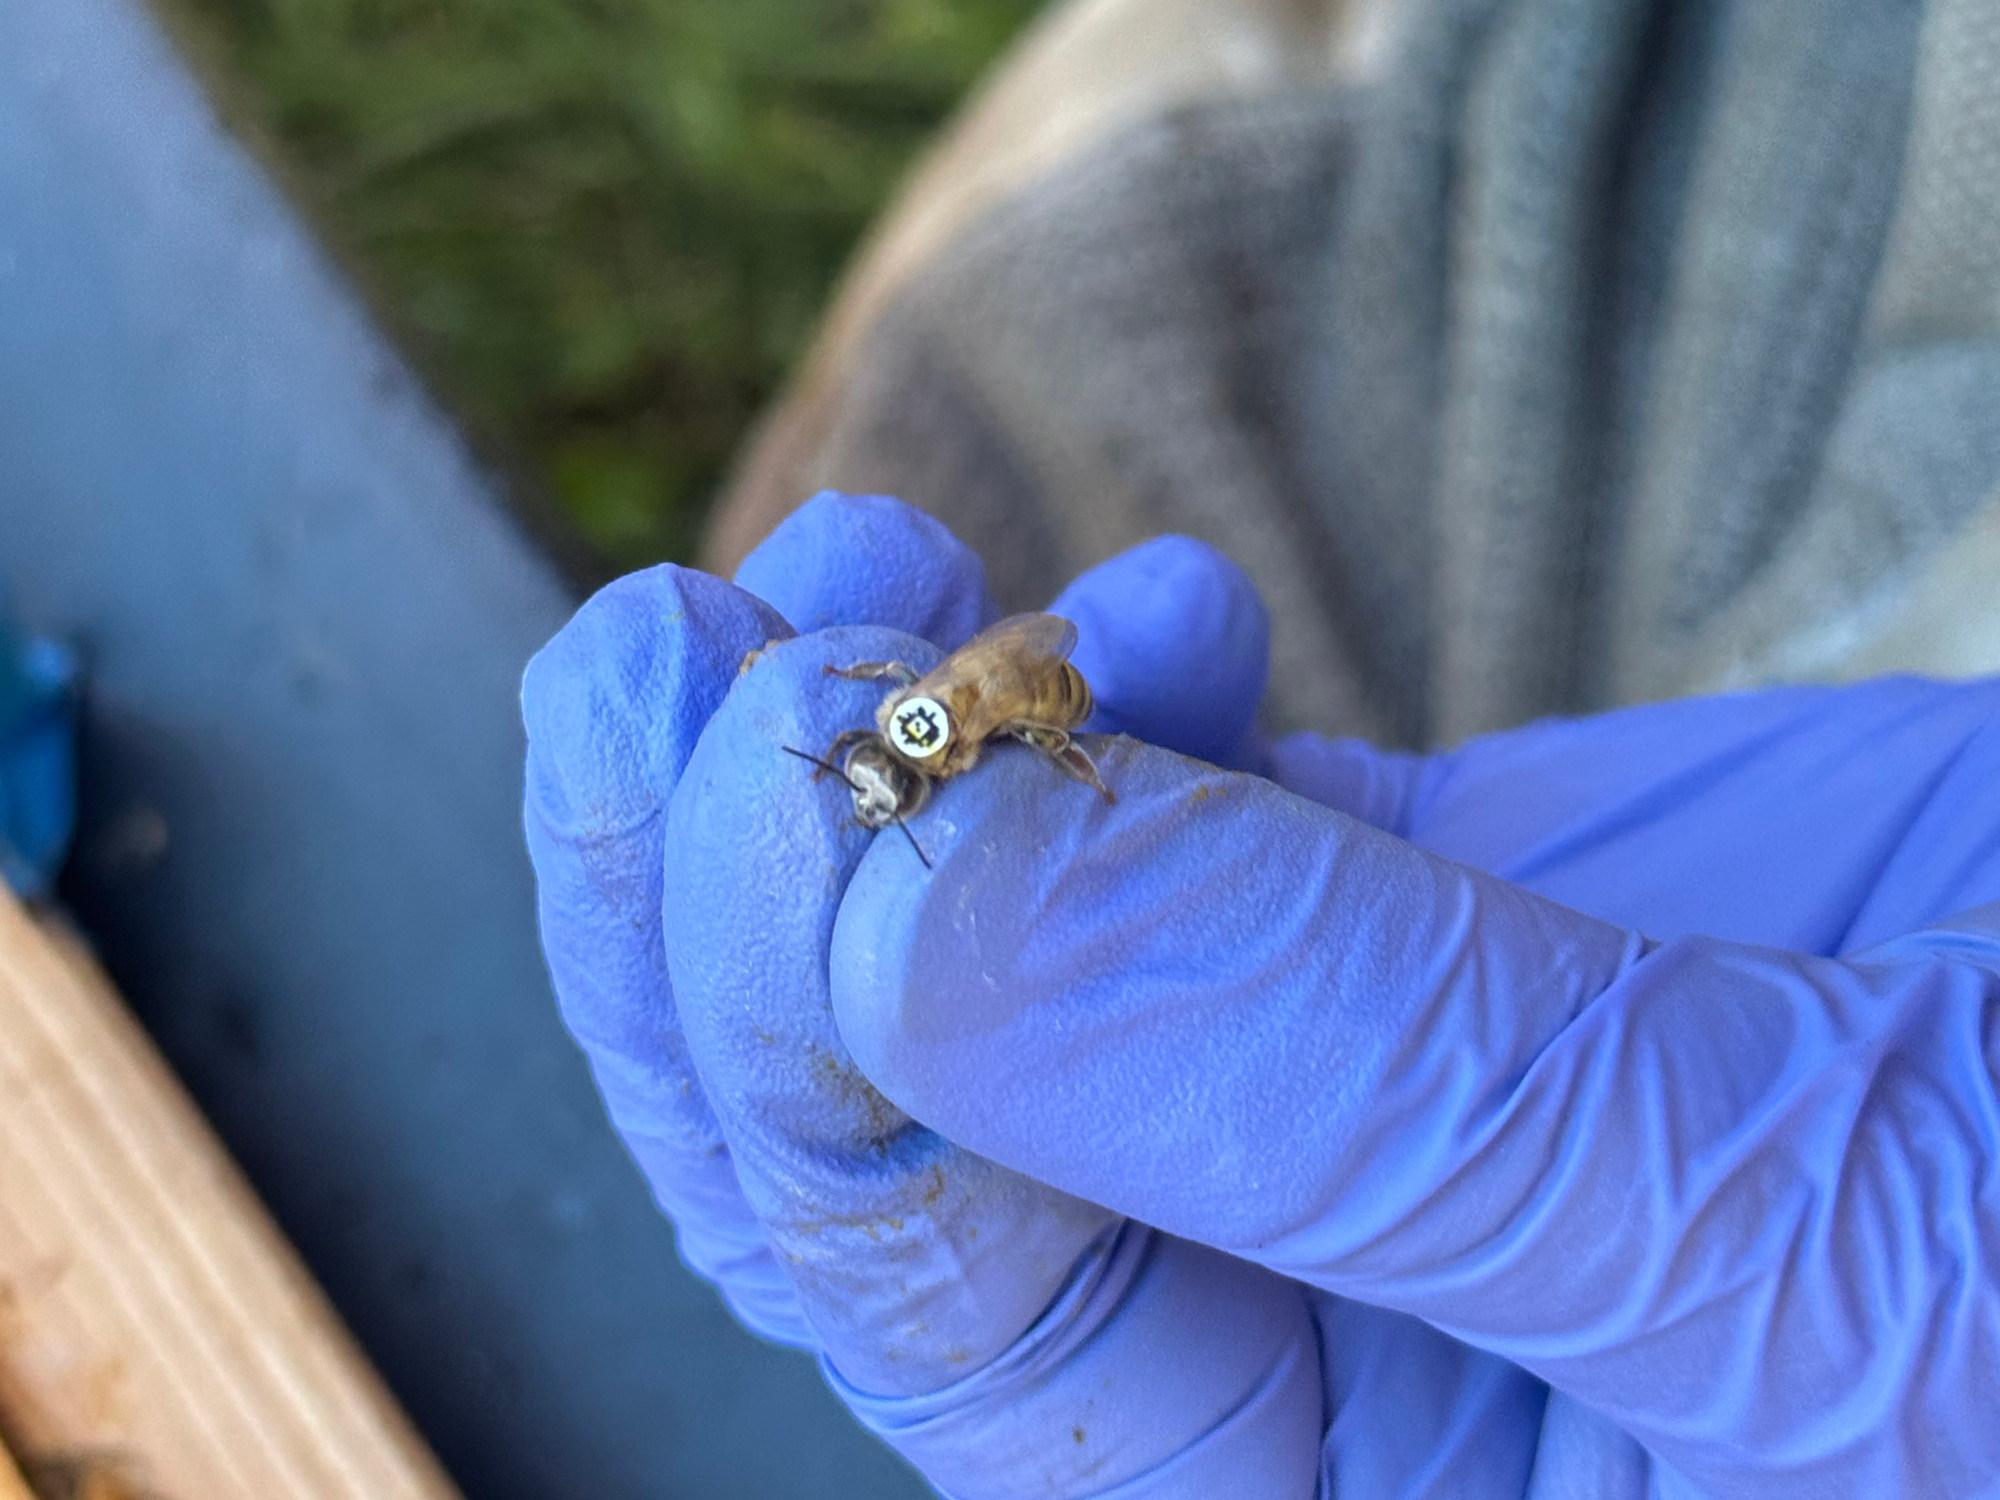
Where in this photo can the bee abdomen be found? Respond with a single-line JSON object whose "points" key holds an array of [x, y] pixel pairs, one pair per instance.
{"points": [[1077, 702]]}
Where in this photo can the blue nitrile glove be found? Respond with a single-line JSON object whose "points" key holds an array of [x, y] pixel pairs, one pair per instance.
{"points": [[613, 706], [1731, 1186], [1011, 1340], [37, 750], [1608, 806]]}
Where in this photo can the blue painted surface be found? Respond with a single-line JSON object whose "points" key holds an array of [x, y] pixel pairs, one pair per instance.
{"points": [[302, 621]]}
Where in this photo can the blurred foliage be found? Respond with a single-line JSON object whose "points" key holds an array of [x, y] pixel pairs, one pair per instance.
{"points": [[606, 226]]}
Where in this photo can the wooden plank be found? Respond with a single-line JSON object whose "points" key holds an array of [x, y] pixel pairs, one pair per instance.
{"points": [[150, 1312]]}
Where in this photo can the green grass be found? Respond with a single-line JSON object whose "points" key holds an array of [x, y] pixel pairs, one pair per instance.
{"points": [[604, 226]]}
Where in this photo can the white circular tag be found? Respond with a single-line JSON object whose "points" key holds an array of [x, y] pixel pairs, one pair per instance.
{"points": [[919, 728]]}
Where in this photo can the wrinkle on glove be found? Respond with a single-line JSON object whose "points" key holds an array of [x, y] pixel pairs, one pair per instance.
{"points": [[1413, 1412], [1823, 819], [1737, 1200]]}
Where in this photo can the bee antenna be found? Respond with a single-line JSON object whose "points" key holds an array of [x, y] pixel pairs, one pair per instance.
{"points": [[915, 847], [824, 765]]}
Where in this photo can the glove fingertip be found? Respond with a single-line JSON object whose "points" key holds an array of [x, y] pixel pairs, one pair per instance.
{"points": [[1378, 787], [614, 702], [1175, 642], [844, 559]]}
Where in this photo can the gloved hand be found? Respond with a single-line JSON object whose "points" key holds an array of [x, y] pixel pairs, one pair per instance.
{"points": [[1010, 1339], [1289, 1032], [1720, 1161]]}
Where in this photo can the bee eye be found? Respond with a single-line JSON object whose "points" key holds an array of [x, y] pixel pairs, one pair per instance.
{"points": [[919, 728]]}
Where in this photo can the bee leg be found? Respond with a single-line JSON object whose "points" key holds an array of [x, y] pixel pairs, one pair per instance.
{"points": [[1073, 759], [870, 671], [1069, 757]]}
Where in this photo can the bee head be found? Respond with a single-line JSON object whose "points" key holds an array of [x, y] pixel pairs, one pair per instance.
{"points": [[884, 788]]}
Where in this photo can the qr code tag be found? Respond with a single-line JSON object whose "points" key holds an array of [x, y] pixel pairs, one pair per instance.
{"points": [[919, 728]]}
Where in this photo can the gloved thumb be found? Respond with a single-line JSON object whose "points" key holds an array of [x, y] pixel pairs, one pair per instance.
{"points": [[1714, 1191], [1210, 1004]]}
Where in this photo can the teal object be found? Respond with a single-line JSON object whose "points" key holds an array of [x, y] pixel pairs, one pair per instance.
{"points": [[37, 752]]}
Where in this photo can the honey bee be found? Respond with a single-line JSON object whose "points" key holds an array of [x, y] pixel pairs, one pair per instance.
{"points": [[1012, 680]]}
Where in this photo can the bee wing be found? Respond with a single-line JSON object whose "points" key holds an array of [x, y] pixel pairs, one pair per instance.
{"points": [[1049, 637]]}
